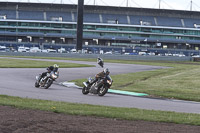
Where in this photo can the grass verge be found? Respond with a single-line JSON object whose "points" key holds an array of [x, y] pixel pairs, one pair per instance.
{"points": [[15, 63], [101, 111], [54, 58], [180, 81]]}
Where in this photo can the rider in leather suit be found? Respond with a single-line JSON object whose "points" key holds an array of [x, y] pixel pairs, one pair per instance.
{"points": [[49, 70], [100, 75]]}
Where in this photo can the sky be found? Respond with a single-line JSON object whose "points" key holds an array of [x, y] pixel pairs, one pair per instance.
{"points": [[164, 4]]}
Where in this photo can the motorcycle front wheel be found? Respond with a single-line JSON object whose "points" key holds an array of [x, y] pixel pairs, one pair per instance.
{"points": [[37, 84], [85, 91], [103, 91], [48, 84]]}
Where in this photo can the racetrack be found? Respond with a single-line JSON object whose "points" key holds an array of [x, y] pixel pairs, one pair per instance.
{"points": [[20, 82]]}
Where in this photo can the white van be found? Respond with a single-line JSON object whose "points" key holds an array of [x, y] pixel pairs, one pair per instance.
{"points": [[101, 52], [21, 49], [35, 49]]}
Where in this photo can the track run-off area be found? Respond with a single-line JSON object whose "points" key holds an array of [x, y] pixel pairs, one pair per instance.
{"points": [[20, 82]]}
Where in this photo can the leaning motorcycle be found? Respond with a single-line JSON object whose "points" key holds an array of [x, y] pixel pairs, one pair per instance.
{"points": [[47, 80], [100, 62], [100, 87]]}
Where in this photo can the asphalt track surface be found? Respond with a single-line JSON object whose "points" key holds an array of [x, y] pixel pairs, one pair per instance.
{"points": [[20, 82]]}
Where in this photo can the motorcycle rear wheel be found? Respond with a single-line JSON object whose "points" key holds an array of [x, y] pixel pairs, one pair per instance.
{"points": [[103, 91], [85, 91]]}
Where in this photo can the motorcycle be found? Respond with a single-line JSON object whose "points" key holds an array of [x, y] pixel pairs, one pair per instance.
{"points": [[100, 62], [100, 87], [47, 80]]}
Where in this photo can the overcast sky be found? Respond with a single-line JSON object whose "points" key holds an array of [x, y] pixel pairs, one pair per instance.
{"points": [[165, 4]]}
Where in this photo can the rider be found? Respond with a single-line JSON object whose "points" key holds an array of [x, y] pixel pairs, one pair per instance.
{"points": [[49, 70], [100, 75], [100, 61]]}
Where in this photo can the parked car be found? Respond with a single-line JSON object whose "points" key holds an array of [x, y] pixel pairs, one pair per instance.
{"points": [[51, 51], [27, 49], [73, 51], [21, 49], [44, 51], [35, 49], [126, 53], [3, 48], [109, 52], [61, 50]]}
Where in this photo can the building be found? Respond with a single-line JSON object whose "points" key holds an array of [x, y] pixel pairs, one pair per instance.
{"points": [[38, 23]]}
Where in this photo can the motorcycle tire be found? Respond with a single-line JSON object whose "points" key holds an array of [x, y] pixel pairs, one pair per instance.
{"points": [[85, 91], [37, 84], [48, 84], [103, 91]]}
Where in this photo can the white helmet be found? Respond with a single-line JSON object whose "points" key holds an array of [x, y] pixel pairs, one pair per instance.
{"points": [[55, 66], [106, 71]]}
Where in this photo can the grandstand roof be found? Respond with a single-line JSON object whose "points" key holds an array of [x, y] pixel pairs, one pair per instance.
{"points": [[100, 9]]}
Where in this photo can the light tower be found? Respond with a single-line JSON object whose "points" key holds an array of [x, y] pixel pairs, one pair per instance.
{"points": [[79, 35], [159, 4]]}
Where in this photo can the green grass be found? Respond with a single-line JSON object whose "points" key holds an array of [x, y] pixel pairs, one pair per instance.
{"points": [[54, 58], [101, 111], [15, 63], [180, 81]]}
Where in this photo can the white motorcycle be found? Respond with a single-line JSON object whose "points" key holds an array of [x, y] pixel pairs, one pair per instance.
{"points": [[47, 80]]}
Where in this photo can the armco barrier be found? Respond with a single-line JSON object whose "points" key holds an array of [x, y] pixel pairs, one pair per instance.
{"points": [[104, 56]]}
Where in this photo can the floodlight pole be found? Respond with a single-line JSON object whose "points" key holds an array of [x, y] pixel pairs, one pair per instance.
{"points": [[159, 3], [191, 6], [79, 25]]}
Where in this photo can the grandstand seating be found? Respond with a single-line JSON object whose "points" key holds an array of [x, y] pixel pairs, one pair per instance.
{"points": [[10, 14], [106, 18], [136, 20], [171, 22], [66, 16], [31, 15], [91, 18], [189, 23], [114, 18], [30, 33]]}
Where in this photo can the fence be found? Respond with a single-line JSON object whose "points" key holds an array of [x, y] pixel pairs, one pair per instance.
{"points": [[104, 56]]}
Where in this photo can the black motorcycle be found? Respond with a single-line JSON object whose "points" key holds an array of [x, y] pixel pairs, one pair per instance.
{"points": [[47, 80], [100, 62], [100, 87]]}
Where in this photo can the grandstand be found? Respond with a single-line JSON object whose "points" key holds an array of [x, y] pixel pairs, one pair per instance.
{"points": [[55, 24]]}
